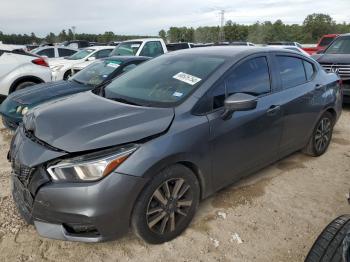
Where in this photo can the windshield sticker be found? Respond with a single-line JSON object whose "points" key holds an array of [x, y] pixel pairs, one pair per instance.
{"points": [[189, 79], [135, 45], [178, 94], [113, 65]]}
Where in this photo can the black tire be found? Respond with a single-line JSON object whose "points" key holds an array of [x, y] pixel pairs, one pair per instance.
{"points": [[148, 208], [24, 85], [315, 147], [67, 75], [329, 245]]}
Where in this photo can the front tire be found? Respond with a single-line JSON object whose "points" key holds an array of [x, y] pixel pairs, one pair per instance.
{"points": [[321, 136], [332, 245], [167, 205]]}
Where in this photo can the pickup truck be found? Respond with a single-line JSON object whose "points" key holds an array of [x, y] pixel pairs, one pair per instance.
{"points": [[321, 45], [150, 47]]}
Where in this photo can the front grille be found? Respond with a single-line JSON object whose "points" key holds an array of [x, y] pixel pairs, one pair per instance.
{"points": [[342, 69]]}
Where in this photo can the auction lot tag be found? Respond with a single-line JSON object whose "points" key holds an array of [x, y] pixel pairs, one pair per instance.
{"points": [[189, 79], [113, 65]]}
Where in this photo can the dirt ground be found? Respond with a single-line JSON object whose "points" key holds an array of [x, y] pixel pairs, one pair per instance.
{"points": [[275, 215]]}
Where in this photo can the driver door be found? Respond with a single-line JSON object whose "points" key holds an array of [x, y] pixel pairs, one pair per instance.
{"points": [[249, 139]]}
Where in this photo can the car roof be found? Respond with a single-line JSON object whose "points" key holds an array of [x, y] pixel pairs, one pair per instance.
{"points": [[127, 58], [230, 51]]}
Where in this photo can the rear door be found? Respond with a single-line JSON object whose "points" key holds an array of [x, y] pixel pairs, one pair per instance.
{"points": [[249, 139], [300, 98]]}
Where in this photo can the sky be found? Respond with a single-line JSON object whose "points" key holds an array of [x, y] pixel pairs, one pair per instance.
{"points": [[149, 16]]}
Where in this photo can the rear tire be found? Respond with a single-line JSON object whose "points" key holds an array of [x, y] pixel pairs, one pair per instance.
{"points": [[167, 205], [330, 245], [24, 85], [321, 136]]}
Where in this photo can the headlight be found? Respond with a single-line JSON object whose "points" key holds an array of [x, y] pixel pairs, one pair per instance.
{"points": [[91, 167], [25, 110], [19, 109]]}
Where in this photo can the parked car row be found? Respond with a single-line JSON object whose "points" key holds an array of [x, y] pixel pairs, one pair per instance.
{"points": [[141, 150]]}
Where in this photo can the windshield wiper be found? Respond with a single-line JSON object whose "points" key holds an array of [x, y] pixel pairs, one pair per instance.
{"points": [[124, 101]]}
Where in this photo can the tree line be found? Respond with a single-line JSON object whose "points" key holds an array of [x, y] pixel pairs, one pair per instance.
{"points": [[310, 31], [64, 35], [313, 27]]}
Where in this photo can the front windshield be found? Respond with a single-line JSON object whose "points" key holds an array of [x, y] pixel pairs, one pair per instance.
{"points": [[126, 49], [163, 81], [97, 72], [339, 46], [81, 54]]}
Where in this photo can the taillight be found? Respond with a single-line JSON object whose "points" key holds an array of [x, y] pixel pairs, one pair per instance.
{"points": [[40, 61]]}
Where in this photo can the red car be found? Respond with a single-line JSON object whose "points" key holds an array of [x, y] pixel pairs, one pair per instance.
{"points": [[322, 44]]}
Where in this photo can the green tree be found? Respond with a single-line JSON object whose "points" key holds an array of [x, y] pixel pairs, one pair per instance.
{"points": [[162, 34], [317, 25]]}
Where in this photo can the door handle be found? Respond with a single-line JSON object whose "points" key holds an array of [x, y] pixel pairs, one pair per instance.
{"points": [[273, 110]]}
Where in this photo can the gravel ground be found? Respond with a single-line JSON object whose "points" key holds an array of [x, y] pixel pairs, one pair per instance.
{"points": [[275, 215]]}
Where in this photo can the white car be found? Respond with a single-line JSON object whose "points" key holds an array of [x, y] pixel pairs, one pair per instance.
{"points": [[62, 69], [54, 51], [150, 47], [19, 69], [293, 48]]}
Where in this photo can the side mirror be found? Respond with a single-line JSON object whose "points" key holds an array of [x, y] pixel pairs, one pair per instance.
{"points": [[91, 58], [238, 102]]}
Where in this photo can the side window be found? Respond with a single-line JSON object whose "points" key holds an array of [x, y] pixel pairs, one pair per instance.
{"points": [[49, 52], [251, 77], [62, 52], [129, 67], [152, 49], [103, 53], [291, 70], [309, 70]]}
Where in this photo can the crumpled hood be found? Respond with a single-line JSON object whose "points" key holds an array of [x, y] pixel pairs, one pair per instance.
{"points": [[332, 58], [86, 122], [34, 95]]}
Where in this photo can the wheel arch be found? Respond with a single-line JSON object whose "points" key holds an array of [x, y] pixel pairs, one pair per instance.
{"points": [[22, 79], [186, 161]]}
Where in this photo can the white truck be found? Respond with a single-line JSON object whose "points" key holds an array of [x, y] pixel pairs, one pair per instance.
{"points": [[150, 47]]}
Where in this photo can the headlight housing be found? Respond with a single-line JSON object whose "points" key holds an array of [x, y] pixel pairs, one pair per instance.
{"points": [[22, 110], [91, 167]]}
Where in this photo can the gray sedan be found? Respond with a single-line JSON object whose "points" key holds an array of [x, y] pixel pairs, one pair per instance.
{"points": [[143, 151]]}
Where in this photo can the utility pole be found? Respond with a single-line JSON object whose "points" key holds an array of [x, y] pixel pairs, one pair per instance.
{"points": [[73, 29], [222, 23]]}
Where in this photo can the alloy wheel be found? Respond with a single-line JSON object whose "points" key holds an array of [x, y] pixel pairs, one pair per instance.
{"points": [[169, 205], [323, 134]]}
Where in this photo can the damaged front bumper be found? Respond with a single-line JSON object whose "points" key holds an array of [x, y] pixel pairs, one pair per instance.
{"points": [[88, 212]]}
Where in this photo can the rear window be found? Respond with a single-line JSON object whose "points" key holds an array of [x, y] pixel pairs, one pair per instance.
{"points": [[291, 71]]}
